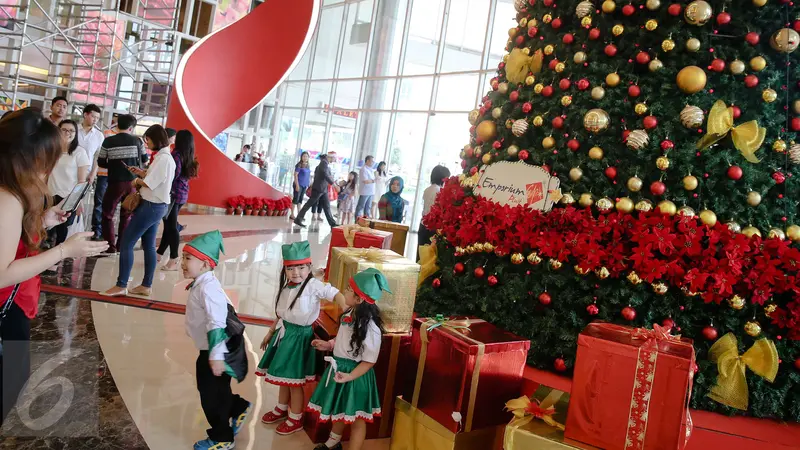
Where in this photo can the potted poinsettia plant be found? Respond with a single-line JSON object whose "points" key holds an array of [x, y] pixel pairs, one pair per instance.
{"points": [[262, 209], [248, 206], [287, 204], [238, 203], [231, 202]]}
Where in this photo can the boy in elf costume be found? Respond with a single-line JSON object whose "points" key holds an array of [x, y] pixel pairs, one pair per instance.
{"points": [[206, 321], [348, 391]]}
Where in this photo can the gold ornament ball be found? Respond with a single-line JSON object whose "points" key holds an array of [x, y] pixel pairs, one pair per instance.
{"points": [[575, 173], [497, 112], [651, 24], [655, 65], [758, 63], [733, 226], [737, 67], [538, 88], [585, 199], [662, 163], [596, 120], [560, 67], [698, 13], [566, 100], [487, 158], [602, 273], [634, 184], [796, 106], [473, 117], [769, 95], [793, 233], [685, 211], [612, 79], [596, 153], [667, 45], [751, 231], [586, 22], [509, 124], [538, 121], [529, 80], [753, 198], [517, 258], [605, 204], [486, 130], [523, 22], [579, 58], [533, 258], [633, 277], [644, 206], [667, 207], [690, 182], [502, 88], [526, 51], [567, 199], [598, 93], [549, 49], [693, 44], [752, 328], [609, 6], [691, 79], [653, 5], [547, 18], [638, 139], [548, 142], [617, 30], [776, 233], [759, 3], [640, 108], [779, 146], [785, 40], [736, 302], [708, 217], [513, 150], [770, 309], [512, 32], [691, 116], [477, 153], [625, 205]]}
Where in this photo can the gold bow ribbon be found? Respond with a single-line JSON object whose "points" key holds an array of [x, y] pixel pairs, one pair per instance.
{"points": [[371, 254], [428, 255], [731, 387], [747, 137], [519, 64], [525, 411], [350, 231]]}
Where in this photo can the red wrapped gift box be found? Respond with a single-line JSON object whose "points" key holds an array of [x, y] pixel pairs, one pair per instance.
{"points": [[631, 388], [356, 236], [464, 370]]}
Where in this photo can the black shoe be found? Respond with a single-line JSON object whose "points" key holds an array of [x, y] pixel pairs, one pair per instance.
{"points": [[299, 223], [325, 447], [97, 238]]}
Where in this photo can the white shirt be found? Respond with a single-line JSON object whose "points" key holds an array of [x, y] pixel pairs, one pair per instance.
{"points": [[206, 310], [159, 178], [306, 308], [370, 349], [366, 173], [428, 197], [90, 141], [380, 186], [64, 176]]}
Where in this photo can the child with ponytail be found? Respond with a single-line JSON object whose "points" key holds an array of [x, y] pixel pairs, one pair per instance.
{"points": [[289, 360], [348, 391]]}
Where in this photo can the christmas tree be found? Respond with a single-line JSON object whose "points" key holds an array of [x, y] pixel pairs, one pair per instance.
{"points": [[671, 128]]}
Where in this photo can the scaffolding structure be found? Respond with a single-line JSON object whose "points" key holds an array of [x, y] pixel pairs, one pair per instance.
{"points": [[118, 54]]}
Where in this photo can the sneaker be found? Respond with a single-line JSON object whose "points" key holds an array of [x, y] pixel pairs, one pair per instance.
{"points": [[271, 417], [208, 444], [182, 227], [325, 447], [238, 422], [289, 427]]}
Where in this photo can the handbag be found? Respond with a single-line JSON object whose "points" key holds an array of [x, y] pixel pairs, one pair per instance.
{"points": [[132, 200], [4, 312]]}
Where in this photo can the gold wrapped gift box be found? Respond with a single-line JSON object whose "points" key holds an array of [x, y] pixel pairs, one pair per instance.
{"points": [[538, 435], [399, 232], [397, 309], [414, 430]]}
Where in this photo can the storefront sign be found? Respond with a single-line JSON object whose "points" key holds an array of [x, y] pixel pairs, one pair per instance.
{"points": [[340, 112], [518, 183]]}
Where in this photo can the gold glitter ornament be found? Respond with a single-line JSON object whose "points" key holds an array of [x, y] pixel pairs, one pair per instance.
{"points": [[560, 67], [586, 22], [793, 233], [662, 162], [526, 51], [690, 182], [538, 121], [548, 142], [596, 153], [638, 139], [770, 309], [708, 217], [602, 273], [753, 198], [523, 22], [634, 279], [555, 264], [752, 328], [624, 205], [667, 207], [509, 124], [698, 13], [667, 45], [691, 116], [693, 44], [502, 88], [736, 302], [733, 226], [512, 150], [655, 65], [487, 158], [497, 112], [644, 206], [651, 24], [598, 93], [517, 258], [634, 184], [779, 146], [605, 204], [538, 88], [533, 258], [585, 200], [575, 174], [529, 80], [617, 30], [549, 49], [567, 199], [547, 18], [794, 153], [640, 108], [769, 95], [596, 120], [579, 58], [785, 40], [751, 231], [776, 233], [473, 117], [737, 67], [686, 211], [519, 127], [583, 9], [660, 288]]}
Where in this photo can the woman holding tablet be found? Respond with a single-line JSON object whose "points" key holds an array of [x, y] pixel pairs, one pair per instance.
{"points": [[72, 168]]}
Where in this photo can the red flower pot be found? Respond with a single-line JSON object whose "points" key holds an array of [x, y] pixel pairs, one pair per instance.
{"points": [[238, 211], [262, 213], [229, 211], [248, 212]]}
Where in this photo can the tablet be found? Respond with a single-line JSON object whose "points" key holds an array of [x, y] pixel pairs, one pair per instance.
{"points": [[74, 198]]}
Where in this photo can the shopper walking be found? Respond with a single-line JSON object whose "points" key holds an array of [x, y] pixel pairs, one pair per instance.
{"points": [[186, 167], [302, 179], [319, 193]]}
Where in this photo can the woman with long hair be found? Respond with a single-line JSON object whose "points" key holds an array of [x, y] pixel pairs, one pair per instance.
{"points": [[154, 186], [302, 180], [30, 147], [391, 205], [381, 177], [348, 193], [186, 167], [72, 168]]}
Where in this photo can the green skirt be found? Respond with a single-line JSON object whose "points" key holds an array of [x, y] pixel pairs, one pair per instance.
{"points": [[290, 361], [346, 402]]}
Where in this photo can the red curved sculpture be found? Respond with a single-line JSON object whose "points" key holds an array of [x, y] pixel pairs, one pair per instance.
{"points": [[226, 74]]}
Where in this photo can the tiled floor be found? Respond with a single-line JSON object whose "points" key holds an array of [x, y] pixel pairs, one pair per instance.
{"points": [[144, 392]]}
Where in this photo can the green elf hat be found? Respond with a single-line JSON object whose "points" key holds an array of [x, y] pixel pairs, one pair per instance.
{"points": [[296, 253], [369, 285], [206, 247]]}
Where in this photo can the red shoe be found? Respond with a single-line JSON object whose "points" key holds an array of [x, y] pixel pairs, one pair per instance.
{"points": [[289, 427], [271, 417]]}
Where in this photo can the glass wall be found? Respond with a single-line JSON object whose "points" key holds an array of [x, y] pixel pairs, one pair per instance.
{"points": [[390, 78]]}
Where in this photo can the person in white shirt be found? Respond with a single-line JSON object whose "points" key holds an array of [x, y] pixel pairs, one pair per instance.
{"points": [[438, 176], [72, 168], [217, 333], [89, 137], [154, 186], [366, 189], [289, 361], [381, 178]]}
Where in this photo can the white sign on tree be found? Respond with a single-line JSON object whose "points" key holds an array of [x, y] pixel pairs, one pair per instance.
{"points": [[518, 183]]}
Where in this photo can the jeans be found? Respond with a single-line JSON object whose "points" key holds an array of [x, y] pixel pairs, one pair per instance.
{"points": [[144, 225], [319, 199], [116, 192], [100, 187], [364, 206], [171, 236]]}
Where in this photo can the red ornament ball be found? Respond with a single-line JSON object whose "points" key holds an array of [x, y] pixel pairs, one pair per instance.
{"points": [[560, 365], [573, 145], [487, 104], [723, 18], [625, 134], [564, 84], [479, 272], [710, 333], [492, 280], [583, 84], [513, 96], [526, 107], [642, 57], [797, 363], [593, 310], [634, 90], [473, 171], [594, 34], [628, 10], [547, 3], [436, 283], [734, 173], [520, 40], [547, 91], [497, 144], [779, 177], [628, 313], [796, 25], [674, 9], [611, 50], [650, 122], [469, 152], [795, 124], [523, 155], [545, 299], [463, 163], [458, 268], [532, 31], [668, 323], [658, 188], [556, 23], [552, 64], [717, 65], [611, 172], [558, 122], [751, 81], [737, 112], [568, 38], [666, 144], [752, 38]]}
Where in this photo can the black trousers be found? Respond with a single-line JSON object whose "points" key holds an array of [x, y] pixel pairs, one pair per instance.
{"points": [[171, 237], [15, 362], [58, 233], [318, 199], [424, 236], [220, 404]]}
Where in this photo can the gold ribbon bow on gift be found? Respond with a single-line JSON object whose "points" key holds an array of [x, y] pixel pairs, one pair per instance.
{"points": [[428, 255], [350, 231], [747, 137], [372, 255], [525, 411], [519, 64], [731, 387]]}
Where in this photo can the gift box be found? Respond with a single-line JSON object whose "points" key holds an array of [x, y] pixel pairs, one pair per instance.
{"points": [[397, 308], [415, 430], [464, 372], [354, 236], [631, 388], [398, 230]]}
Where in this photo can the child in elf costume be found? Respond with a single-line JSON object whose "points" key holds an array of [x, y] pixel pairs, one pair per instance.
{"points": [[207, 318], [289, 361], [348, 391]]}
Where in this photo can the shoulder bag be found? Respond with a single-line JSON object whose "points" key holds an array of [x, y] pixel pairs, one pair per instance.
{"points": [[132, 201]]}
